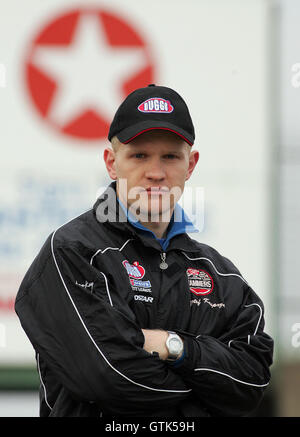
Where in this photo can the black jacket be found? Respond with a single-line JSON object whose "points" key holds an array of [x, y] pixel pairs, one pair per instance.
{"points": [[96, 283]]}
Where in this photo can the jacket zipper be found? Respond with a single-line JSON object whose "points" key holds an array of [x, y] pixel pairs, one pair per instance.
{"points": [[163, 265]]}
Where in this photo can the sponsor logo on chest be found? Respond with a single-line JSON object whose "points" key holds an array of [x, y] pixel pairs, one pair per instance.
{"points": [[136, 272], [200, 282]]}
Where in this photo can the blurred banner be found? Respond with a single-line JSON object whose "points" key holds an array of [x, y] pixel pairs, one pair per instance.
{"points": [[65, 68]]}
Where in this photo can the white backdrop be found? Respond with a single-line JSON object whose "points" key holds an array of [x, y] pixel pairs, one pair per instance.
{"points": [[289, 303], [215, 53]]}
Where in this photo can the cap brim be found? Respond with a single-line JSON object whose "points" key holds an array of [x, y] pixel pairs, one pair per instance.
{"points": [[128, 134]]}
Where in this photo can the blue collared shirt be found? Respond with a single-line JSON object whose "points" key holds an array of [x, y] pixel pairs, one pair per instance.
{"points": [[179, 224]]}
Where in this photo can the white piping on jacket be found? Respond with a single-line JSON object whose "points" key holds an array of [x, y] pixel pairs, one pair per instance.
{"points": [[231, 377], [107, 289], [259, 319], [219, 273], [111, 248], [103, 251], [42, 382], [90, 336]]}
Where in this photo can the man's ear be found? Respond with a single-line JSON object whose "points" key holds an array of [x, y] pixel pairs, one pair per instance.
{"points": [[193, 159], [109, 157]]}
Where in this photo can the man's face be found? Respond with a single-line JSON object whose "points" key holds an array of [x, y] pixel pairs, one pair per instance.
{"points": [[151, 172]]}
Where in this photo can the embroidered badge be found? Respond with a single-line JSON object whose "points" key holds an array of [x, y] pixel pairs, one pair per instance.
{"points": [[200, 282], [156, 104], [136, 272]]}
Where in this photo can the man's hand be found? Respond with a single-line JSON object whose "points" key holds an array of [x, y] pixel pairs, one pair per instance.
{"points": [[155, 341]]}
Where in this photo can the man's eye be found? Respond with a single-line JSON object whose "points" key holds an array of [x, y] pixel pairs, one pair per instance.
{"points": [[170, 156], [139, 155]]}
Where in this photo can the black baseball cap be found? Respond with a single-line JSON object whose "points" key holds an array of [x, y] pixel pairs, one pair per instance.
{"points": [[152, 107]]}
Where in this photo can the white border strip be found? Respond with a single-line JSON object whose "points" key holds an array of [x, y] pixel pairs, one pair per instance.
{"points": [[91, 338], [259, 319], [107, 248], [42, 382], [260, 316], [231, 377], [107, 289], [219, 273]]}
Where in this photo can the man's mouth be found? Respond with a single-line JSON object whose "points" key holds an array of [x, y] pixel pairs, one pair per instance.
{"points": [[157, 190]]}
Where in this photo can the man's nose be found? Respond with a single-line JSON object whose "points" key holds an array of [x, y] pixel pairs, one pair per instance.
{"points": [[155, 170]]}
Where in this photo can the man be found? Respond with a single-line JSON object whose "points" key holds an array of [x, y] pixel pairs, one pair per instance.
{"points": [[127, 314]]}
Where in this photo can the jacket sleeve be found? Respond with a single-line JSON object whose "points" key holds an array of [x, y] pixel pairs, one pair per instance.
{"points": [[229, 374], [94, 348]]}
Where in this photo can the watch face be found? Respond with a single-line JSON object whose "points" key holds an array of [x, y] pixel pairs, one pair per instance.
{"points": [[175, 345]]}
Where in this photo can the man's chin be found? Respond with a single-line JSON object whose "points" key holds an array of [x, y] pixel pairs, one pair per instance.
{"points": [[153, 215]]}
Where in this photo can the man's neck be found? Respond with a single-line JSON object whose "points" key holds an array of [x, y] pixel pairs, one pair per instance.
{"points": [[158, 228]]}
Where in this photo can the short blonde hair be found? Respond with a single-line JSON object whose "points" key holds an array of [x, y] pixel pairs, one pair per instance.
{"points": [[115, 144]]}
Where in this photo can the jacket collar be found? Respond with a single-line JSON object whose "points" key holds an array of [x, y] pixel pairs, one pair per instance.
{"points": [[179, 224], [109, 211]]}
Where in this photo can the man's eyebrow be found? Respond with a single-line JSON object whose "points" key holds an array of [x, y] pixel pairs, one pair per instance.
{"points": [[174, 152], [135, 149]]}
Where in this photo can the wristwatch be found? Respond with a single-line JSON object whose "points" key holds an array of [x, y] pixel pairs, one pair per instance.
{"points": [[174, 345]]}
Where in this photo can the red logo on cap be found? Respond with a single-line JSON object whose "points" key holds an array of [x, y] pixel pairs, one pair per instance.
{"points": [[156, 104]]}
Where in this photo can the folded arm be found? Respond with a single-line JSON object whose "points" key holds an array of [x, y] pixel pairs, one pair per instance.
{"points": [[94, 349], [229, 374]]}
